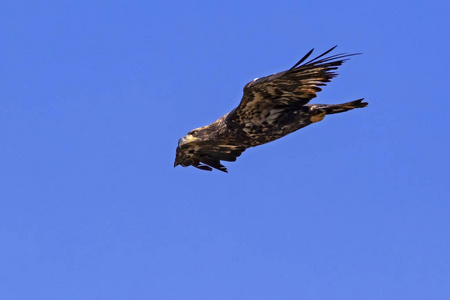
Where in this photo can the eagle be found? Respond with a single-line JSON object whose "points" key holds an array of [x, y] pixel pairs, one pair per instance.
{"points": [[271, 107]]}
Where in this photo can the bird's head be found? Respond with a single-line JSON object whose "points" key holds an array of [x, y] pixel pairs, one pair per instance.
{"points": [[199, 148], [184, 153]]}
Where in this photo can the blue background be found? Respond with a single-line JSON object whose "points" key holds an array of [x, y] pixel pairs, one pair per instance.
{"points": [[95, 94]]}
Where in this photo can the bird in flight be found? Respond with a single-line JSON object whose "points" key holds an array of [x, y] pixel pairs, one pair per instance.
{"points": [[271, 107]]}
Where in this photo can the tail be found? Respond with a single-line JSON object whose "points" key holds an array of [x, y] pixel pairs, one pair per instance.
{"points": [[338, 108]]}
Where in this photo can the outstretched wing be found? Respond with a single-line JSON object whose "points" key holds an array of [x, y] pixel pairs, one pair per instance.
{"points": [[289, 89], [205, 155]]}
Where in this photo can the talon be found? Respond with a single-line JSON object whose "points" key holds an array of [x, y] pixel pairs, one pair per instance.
{"points": [[318, 117]]}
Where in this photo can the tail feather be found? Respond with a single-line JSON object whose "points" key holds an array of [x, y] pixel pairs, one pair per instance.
{"points": [[338, 108]]}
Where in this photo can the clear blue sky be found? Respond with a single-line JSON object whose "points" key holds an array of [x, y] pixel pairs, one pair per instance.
{"points": [[95, 94]]}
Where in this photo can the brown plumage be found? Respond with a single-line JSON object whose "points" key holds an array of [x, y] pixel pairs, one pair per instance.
{"points": [[271, 107]]}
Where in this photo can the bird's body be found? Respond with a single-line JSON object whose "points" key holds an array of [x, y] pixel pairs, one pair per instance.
{"points": [[271, 108]]}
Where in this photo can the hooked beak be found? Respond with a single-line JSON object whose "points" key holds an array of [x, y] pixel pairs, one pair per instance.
{"points": [[186, 139]]}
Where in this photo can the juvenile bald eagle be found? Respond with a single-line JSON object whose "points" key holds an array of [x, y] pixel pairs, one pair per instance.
{"points": [[271, 107]]}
